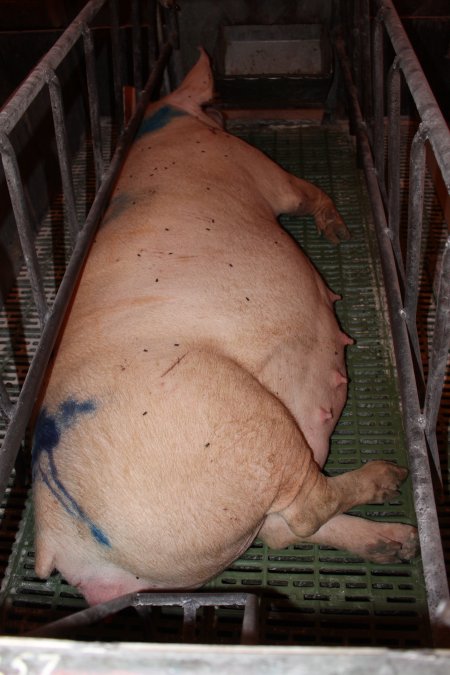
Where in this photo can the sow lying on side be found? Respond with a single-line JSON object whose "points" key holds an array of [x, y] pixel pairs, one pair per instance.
{"points": [[199, 376]]}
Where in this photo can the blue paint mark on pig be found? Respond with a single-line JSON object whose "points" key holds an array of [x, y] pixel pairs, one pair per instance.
{"points": [[47, 436], [161, 118]]}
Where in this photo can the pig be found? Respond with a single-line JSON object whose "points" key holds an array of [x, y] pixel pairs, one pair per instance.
{"points": [[199, 375]]}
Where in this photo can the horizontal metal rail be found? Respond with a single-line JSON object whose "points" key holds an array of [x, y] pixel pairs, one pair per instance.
{"points": [[143, 602], [44, 75], [382, 170]]}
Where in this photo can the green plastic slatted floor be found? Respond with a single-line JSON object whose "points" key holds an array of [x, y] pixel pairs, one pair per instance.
{"points": [[309, 595]]}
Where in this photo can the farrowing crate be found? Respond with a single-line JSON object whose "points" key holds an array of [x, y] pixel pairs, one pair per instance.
{"points": [[307, 595]]}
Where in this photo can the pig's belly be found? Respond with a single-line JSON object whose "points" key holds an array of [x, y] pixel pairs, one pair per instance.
{"points": [[243, 294]]}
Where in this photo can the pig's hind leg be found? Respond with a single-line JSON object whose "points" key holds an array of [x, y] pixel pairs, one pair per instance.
{"points": [[315, 515], [377, 542]]}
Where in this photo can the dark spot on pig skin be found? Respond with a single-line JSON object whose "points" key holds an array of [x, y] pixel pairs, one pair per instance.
{"points": [[47, 436], [144, 413], [156, 281], [207, 445], [176, 344], [248, 299]]}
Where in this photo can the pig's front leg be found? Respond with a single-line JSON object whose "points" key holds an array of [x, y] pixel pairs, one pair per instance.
{"points": [[313, 201], [291, 195]]}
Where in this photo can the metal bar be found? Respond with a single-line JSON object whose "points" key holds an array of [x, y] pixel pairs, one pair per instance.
{"points": [[415, 218], [117, 63], [137, 42], [394, 163], [161, 38], [36, 371], [22, 656], [190, 607], [440, 345], [424, 99], [357, 43], [190, 602], [378, 97], [428, 525], [171, 21], [94, 107], [249, 633], [62, 145], [23, 222], [14, 110], [152, 33], [366, 59], [6, 406]]}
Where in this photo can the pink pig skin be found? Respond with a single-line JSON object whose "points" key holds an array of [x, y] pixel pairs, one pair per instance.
{"points": [[199, 375]]}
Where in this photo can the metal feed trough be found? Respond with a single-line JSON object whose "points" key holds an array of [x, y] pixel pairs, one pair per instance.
{"points": [[88, 95]]}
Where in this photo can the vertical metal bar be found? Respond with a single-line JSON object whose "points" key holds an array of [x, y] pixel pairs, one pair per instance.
{"points": [[189, 618], [356, 52], [6, 406], [116, 54], [94, 107], [176, 69], [378, 97], [163, 38], [439, 347], [62, 145], [249, 631], [152, 34], [23, 221], [137, 44], [415, 218], [393, 84], [366, 60]]}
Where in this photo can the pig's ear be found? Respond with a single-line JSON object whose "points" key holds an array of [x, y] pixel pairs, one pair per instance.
{"points": [[197, 87]]}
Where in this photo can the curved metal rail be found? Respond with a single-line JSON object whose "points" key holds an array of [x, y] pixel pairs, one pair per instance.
{"points": [[382, 170]]}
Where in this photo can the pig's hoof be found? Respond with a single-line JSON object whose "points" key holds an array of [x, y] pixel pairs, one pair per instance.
{"points": [[331, 224], [396, 543], [387, 478]]}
